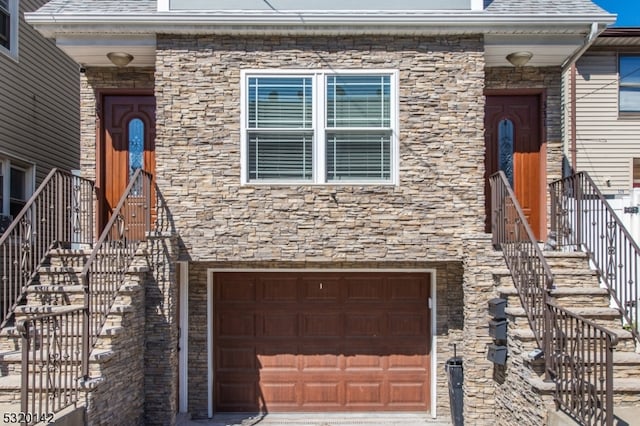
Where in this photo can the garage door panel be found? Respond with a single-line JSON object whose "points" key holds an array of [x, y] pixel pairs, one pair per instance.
{"points": [[365, 289], [279, 289], [322, 342], [408, 288], [328, 362], [407, 324], [364, 361], [406, 393], [321, 325], [237, 289], [236, 324], [278, 358], [414, 362], [321, 393], [283, 394], [320, 289], [235, 393], [236, 359], [279, 324], [364, 324], [365, 394]]}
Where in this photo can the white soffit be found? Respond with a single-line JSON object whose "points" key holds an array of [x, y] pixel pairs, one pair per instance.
{"points": [[547, 50], [92, 51]]}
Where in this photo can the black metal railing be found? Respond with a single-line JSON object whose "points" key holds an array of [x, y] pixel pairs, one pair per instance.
{"points": [[51, 363], [578, 354], [104, 271], [59, 213], [581, 364], [582, 219], [529, 269]]}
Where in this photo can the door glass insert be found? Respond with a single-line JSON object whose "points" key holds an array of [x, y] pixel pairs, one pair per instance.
{"points": [[505, 147], [136, 145], [136, 148]]}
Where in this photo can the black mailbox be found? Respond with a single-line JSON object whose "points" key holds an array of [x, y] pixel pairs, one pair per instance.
{"points": [[496, 308], [497, 354], [498, 329]]}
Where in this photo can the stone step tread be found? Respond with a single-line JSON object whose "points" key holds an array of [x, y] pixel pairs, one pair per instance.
{"points": [[565, 254], [563, 291], [583, 311], [45, 309], [527, 333], [60, 269], [71, 252], [97, 355], [12, 381], [626, 384], [55, 288]]}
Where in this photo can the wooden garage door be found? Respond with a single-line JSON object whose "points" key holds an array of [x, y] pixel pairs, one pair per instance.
{"points": [[321, 342]]}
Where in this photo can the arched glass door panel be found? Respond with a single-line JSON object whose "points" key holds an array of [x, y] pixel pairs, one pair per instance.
{"points": [[136, 148], [505, 147]]}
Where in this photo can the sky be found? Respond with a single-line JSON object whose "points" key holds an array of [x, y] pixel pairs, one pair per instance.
{"points": [[628, 11]]}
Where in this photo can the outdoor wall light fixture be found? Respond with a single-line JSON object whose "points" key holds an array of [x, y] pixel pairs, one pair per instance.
{"points": [[519, 59], [120, 59]]}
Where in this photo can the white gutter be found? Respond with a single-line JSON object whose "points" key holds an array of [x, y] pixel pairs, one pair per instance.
{"points": [[158, 22], [596, 29]]}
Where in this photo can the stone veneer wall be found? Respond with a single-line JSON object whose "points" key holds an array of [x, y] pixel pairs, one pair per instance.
{"points": [[119, 398], [421, 221], [441, 153]]}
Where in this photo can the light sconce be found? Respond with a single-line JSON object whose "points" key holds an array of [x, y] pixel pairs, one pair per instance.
{"points": [[120, 59], [519, 59]]}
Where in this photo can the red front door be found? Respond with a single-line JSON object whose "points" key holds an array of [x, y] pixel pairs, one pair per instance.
{"points": [[127, 143], [513, 143]]}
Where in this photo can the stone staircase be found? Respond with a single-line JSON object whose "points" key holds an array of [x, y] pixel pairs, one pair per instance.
{"points": [[577, 289], [57, 287]]}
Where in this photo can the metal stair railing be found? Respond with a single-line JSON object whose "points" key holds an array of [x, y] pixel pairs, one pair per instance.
{"points": [[59, 213], [529, 269], [104, 272], [51, 364], [582, 219], [578, 354]]}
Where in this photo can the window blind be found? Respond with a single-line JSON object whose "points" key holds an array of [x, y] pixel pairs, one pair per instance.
{"points": [[629, 83]]}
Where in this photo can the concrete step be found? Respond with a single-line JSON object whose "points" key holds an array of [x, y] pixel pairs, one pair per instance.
{"points": [[566, 297], [68, 257], [11, 361], [626, 391], [605, 317], [562, 259], [626, 342]]}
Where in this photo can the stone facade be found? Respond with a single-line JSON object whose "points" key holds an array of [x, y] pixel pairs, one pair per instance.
{"points": [[433, 218], [441, 153]]}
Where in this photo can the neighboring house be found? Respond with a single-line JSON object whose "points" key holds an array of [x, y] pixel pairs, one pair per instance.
{"points": [[39, 101], [602, 116], [325, 167]]}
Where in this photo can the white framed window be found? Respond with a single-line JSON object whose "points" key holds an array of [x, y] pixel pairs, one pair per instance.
{"points": [[9, 27], [319, 127], [16, 186], [629, 89]]}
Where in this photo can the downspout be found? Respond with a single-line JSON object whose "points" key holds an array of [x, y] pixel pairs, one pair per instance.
{"points": [[595, 30], [573, 147]]}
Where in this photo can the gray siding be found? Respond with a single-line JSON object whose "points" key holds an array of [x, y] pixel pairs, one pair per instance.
{"points": [[606, 142], [39, 102]]}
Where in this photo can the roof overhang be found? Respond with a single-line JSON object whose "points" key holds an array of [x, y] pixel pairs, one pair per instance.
{"points": [[88, 38]]}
